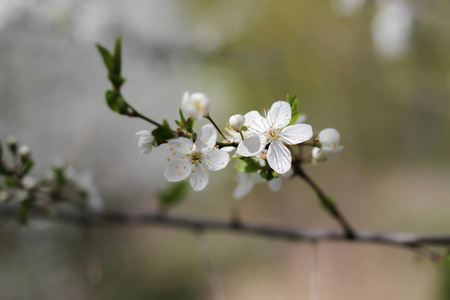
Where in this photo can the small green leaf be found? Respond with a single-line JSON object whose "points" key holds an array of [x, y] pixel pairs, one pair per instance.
{"points": [[117, 69], [189, 126], [174, 194], [11, 181], [107, 57], [24, 211], [27, 166], [327, 204], [116, 103], [60, 176], [293, 102], [248, 165], [163, 133]]}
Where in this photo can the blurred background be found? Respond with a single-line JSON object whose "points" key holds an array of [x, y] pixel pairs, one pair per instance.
{"points": [[378, 71]]}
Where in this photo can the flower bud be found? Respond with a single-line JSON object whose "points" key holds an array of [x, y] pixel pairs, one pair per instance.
{"points": [[24, 151], [145, 142], [329, 138], [236, 122], [319, 154], [195, 105]]}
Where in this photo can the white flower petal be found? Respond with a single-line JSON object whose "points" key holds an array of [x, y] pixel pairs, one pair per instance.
{"points": [[199, 178], [279, 157], [178, 170], [329, 136], [256, 123], [144, 133], [206, 138], [275, 184], [251, 146], [215, 160], [180, 146], [279, 114], [145, 142], [244, 187], [335, 148], [296, 134]]}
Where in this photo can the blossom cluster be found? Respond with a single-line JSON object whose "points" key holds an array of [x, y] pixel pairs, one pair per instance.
{"points": [[262, 146]]}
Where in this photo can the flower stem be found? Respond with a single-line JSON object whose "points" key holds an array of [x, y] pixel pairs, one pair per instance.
{"points": [[217, 128]]}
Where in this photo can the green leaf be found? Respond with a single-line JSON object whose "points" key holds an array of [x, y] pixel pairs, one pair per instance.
{"points": [[11, 182], [24, 211], [248, 165], [117, 69], [327, 204], [27, 166], [293, 102], [189, 126], [107, 58], [116, 102], [163, 133], [174, 194], [60, 176]]}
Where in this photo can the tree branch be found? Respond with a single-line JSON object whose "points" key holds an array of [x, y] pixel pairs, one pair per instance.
{"points": [[110, 218]]}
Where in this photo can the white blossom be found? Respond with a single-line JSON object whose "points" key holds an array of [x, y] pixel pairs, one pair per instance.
{"points": [[236, 122], [195, 105], [189, 160], [145, 142], [273, 129], [85, 180]]}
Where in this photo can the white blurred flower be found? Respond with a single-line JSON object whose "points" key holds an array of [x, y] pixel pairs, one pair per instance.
{"points": [[392, 26], [246, 182], [273, 129], [191, 160], [195, 105], [236, 122], [347, 7], [29, 182], [85, 180], [145, 142]]}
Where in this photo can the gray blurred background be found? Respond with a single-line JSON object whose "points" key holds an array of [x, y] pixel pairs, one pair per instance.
{"points": [[378, 71]]}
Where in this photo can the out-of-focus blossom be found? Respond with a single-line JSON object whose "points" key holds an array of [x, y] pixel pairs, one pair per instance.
{"points": [[392, 26]]}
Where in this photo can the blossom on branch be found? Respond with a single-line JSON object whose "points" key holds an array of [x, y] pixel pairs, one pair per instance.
{"points": [[195, 105], [192, 160], [274, 129]]}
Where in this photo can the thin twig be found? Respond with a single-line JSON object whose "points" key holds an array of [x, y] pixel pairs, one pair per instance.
{"points": [[331, 207]]}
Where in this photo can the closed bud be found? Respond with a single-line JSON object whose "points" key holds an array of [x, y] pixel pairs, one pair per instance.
{"points": [[24, 151], [236, 122]]}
